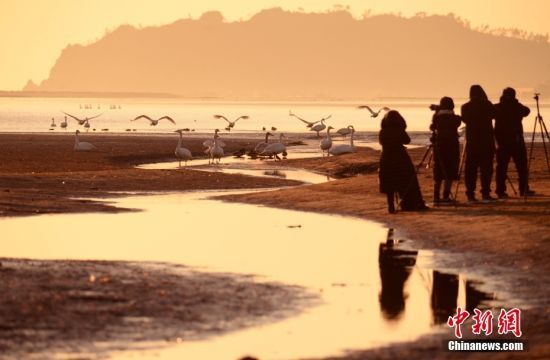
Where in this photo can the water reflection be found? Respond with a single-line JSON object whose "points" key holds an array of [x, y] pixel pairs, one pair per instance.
{"points": [[395, 268]]}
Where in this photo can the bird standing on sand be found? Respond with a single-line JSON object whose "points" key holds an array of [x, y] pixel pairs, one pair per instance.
{"points": [[344, 148], [181, 152], [53, 123], [321, 126], [82, 121], [231, 123], [155, 122], [81, 145], [345, 131], [372, 112], [275, 148], [87, 124], [326, 143], [260, 146], [214, 147]]}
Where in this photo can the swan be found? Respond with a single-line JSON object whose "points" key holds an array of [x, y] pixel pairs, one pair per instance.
{"points": [[319, 127], [345, 131], [82, 146], [181, 152], [82, 121], [155, 122], [207, 144], [63, 124], [53, 123], [216, 151], [344, 148], [275, 148], [262, 145], [326, 143], [231, 123], [309, 124], [372, 112]]}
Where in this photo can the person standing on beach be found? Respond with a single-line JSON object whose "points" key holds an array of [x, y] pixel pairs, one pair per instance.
{"points": [[397, 173], [510, 143], [445, 148], [478, 115]]}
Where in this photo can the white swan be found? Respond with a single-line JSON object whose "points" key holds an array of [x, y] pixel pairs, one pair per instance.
{"points": [[154, 122], [326, 143], [181, 152], [320, 127], [231, 123], [53, 123], [208, 144], [344, 148], [275, 148], [216, 151], [309, 124], [262, 145], [372, 112], [80, 145], [63, 123], [345, 131], [81, 121]]}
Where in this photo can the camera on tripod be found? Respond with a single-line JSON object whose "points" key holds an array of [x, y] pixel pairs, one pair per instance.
{"points": [[434, 107]]}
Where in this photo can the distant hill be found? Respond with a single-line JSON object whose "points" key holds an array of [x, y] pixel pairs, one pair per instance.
{"points": [[282, 55]]}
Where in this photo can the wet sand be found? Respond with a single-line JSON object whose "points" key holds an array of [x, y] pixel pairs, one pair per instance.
{"points": [[506, 241]]}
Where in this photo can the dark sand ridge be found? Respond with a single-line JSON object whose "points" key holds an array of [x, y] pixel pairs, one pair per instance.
{"points": [[506, 240]]}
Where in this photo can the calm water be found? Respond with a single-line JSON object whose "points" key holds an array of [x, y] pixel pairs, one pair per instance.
{"points": [[371, 294], [35, 114]]}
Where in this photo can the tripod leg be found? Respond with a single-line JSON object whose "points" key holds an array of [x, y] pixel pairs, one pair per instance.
{"points": [[424, 157], [529, 158], [460, 168], [544, 131], [511, 185]]}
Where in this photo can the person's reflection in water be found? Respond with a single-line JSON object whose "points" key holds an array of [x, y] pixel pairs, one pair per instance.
{"points": [[444, 296], [395, 268]]}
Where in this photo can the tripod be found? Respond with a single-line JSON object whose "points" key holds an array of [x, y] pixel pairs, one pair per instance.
{"points": [[427, 155], [543, 133]]}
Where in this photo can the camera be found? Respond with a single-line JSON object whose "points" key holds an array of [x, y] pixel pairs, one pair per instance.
{"points": [[434, 107]]}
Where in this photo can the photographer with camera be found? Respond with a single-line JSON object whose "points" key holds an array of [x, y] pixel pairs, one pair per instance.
{"points": [[445, 148], [510, 143], [478, 115]]}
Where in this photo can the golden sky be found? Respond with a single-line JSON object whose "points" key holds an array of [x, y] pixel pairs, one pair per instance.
{"points": [[33, 32]]}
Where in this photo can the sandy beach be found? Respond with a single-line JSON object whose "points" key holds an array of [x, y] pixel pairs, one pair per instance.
{"points": [[505, 242]]}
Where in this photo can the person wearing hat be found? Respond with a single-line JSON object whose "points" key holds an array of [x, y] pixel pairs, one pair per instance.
{"points": [[510, 143], [478, 115], [445, 149]]}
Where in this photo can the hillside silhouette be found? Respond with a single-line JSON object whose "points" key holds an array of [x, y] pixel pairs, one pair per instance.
{"points": [[282, 55]]}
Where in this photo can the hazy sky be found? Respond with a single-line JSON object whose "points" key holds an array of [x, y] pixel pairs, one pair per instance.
{"points": [[33, 32]]}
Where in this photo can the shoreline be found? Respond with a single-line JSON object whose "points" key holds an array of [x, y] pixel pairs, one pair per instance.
{"points": [[517, 259]]}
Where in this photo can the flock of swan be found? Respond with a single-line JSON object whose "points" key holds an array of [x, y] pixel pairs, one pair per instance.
{"points": [[214, 147]]}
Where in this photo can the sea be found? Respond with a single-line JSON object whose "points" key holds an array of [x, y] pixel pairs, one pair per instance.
{"points": [[36, 114]]}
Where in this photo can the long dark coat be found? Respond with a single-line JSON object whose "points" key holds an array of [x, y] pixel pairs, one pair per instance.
{"points": [[397, 172]]}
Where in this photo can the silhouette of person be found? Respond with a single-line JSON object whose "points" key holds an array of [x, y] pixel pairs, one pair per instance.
{"points": [[395, 268], [510, 143], [397, 173], [445, 148], [478, 115]]}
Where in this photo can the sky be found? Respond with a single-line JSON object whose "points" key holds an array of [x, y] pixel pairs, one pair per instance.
{"points": [[34, 32]]}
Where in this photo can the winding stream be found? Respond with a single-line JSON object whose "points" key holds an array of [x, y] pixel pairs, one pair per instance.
{"points": [[371, 293]]}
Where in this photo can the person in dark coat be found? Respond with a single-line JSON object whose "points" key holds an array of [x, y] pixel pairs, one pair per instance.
{"points": [[397, 173], [445, 148], [478, 115], [510, 143]]}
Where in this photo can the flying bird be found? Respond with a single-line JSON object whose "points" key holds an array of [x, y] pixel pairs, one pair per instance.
{"points": [[372, 112], [231, 123], [309, 124], [82, 121], [153, 121]]}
